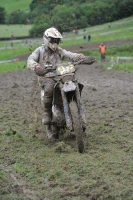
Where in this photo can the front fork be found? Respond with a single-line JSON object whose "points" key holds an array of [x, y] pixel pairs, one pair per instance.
{"points": [[67, 110], [81, 108]]}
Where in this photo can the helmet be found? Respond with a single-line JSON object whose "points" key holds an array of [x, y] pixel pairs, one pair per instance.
{"points": [[52, 38]]}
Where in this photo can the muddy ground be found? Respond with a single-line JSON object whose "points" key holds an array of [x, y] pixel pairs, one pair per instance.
{"points": [[107, 97]]}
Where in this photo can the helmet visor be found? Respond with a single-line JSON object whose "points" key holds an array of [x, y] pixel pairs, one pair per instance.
{"points": [[54, 40]]}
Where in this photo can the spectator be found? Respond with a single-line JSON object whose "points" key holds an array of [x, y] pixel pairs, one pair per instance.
{"points": [[102, 48], [76, 31], [109, 25], [11, 44], [84, 37], [89, 38], [26, 41]]}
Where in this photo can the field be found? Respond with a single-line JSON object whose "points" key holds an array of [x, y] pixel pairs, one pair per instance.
{"points": [[35, 168], [7, 31], [19, 5]]}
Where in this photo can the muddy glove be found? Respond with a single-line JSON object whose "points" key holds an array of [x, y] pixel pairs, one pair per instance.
{"points": [[87, 60], [41, 71], [81, 57]]}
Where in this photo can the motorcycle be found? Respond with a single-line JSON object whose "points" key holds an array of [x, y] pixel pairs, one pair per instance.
{"points": [[67, 110]]}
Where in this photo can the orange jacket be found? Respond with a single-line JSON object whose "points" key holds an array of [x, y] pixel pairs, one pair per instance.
{"points": [[102, 49]]}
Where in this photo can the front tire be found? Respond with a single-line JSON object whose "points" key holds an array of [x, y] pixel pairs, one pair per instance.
{"points": [[77, 126]]}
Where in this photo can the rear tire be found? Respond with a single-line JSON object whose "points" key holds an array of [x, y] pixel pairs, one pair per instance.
{"points": [[77, 126]]}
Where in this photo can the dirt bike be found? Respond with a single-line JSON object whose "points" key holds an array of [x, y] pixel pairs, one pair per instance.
{"points": [[67, 110]]}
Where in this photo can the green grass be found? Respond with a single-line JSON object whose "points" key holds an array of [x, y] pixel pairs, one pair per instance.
{"points": [[103, 172], [122, 29], [125, 50], [122, 51], [17, 5], [8, 54], [6, 31], [14, 66], [127, 67]]}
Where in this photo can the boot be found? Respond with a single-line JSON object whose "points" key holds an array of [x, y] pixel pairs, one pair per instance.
{"points": [[49, 131], [47, 110], [55, 132], [46, 117]]}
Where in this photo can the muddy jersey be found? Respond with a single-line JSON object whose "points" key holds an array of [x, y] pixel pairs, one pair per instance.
{"points": [[45, 56]]}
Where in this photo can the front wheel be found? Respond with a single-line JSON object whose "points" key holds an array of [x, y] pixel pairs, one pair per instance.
{"points": [[77, 126]]}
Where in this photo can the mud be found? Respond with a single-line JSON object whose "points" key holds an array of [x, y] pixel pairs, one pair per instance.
{"points": [[107, 97]]}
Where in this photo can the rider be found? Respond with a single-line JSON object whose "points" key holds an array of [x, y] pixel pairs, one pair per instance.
{"points": [[44, 60]]}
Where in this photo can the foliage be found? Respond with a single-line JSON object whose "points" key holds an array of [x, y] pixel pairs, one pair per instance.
{"points": [[67, 15], [17, 17], [70, 15], [2, 15]]}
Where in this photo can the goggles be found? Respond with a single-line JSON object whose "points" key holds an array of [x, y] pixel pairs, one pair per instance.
{"points": [[54, 40]]}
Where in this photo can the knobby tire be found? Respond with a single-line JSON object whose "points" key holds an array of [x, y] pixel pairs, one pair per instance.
{"points": [[77, 126]]}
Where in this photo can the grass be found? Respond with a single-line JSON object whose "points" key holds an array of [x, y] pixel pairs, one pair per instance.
{"points": [[121, 29], [22, 5], [8, 54], [103, 172], [6, 31], [123, 51], [14, 66], [127, 67]]}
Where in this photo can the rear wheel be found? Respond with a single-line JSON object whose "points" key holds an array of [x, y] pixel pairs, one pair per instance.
{"points": [[77, 125]]}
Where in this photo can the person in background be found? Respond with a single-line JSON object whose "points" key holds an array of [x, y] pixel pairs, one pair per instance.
{"points": [[89, 38], [11, 44], [84, 38], [102, 49]]}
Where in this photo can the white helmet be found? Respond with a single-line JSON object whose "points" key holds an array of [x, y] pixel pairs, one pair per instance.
{"points": [[52, 38]]}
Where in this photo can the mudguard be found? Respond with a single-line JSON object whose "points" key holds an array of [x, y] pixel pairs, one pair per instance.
{"points": [[69, 86]]}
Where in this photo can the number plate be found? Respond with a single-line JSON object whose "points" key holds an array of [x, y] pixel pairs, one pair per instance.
{"points": [[65, 69]]}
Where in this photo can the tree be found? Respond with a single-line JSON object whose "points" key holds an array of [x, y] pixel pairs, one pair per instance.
{"points": [[2, 15]]}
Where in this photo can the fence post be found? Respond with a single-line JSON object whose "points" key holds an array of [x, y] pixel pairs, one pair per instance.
{"points": [[112, 62]]}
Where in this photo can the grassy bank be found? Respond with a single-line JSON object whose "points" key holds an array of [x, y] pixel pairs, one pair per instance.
{"points": [[19, 30], [19, 5], [10, 67]]}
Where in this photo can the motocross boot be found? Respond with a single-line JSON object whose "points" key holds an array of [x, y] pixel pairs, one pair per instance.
{"points": [[55, 132], [49, 131], [47, 110], [46, 117]]}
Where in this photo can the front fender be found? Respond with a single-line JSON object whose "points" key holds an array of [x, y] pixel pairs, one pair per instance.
{"points": [[69, 86]]}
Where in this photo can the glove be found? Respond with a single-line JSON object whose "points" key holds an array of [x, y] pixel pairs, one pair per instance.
{"points": [[81, 56], [88, 60], [41, 71]]}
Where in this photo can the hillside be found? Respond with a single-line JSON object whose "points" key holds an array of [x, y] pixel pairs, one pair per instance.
{"points": [[14, 5]]}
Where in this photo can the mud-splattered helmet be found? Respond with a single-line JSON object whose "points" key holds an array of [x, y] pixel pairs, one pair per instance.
{"points": [[52, 38]]}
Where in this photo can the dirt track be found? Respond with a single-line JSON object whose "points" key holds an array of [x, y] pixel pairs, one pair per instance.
{"points": [[107, 97]]}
